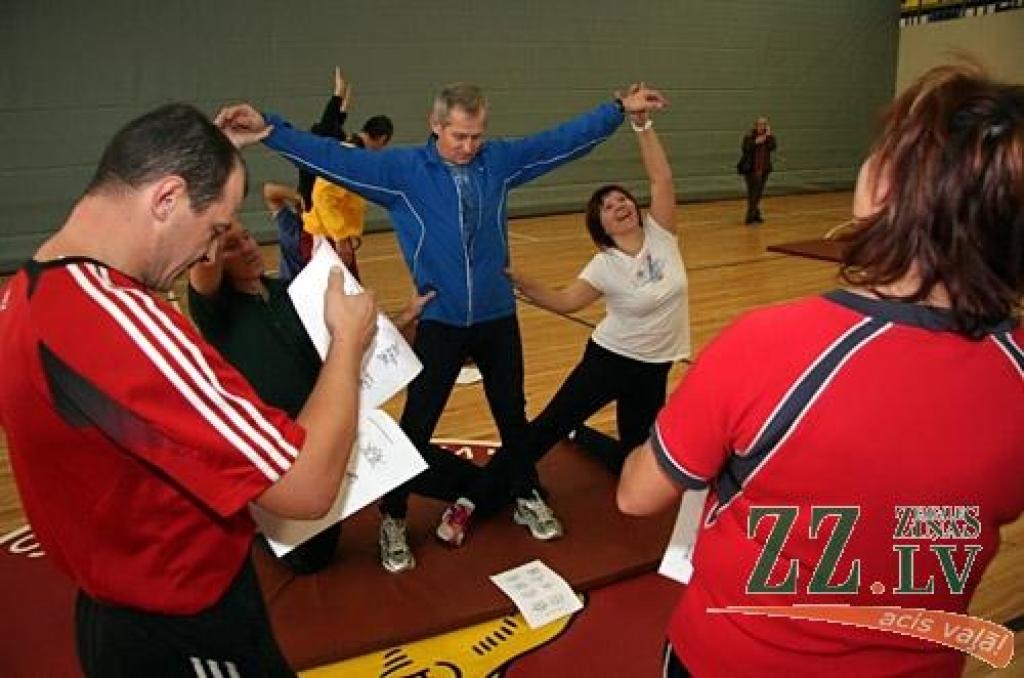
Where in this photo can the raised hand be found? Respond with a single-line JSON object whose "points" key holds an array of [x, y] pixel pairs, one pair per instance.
{"points": [[342, 89], [641, 99], [339, 83], [242, 124]]}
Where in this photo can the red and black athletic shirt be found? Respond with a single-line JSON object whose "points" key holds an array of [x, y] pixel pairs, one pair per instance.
{"points": [[832, 402], [135, 446]]}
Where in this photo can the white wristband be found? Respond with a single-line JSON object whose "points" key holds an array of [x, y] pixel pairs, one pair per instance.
{"points": [[638, 128]]}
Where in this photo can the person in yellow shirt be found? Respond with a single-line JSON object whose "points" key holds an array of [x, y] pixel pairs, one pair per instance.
{"points": [[338, 214]]}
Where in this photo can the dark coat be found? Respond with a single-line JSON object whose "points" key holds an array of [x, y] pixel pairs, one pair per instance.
{"points": [[746, 163]]}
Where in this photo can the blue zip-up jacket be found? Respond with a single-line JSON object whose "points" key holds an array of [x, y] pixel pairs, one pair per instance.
{"points": [[466, 268]]}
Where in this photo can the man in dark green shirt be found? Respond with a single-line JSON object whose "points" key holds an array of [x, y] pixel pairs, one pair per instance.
{"points": [[250, 319]]}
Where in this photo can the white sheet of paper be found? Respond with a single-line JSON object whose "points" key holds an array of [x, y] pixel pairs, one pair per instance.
{"points": [[541, 595], [382, 459], [677, 563], [388, 364]]}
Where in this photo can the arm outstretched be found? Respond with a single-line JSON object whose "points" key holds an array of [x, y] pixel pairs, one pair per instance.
{"points": [[569, 299]]}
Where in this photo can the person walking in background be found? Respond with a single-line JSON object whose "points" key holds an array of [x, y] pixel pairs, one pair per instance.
{"points": [[755, 165]]}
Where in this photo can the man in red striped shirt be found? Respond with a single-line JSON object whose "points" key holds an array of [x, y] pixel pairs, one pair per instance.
{"points": [[136, 448]]}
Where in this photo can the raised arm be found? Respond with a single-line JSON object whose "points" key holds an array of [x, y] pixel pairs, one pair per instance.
{"points": [[276, 196], [569, 299], [332, 120], [534, 155], [330, 415], [375, 175], [659, 172]]}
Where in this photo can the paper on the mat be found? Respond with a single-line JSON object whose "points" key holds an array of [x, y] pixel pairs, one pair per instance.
{"points": [[388, 364], [541, 595], [469, 374], [677, 563], [382, 459]]}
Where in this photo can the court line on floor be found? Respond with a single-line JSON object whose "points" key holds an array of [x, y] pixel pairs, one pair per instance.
{"points": [[515, 235]]}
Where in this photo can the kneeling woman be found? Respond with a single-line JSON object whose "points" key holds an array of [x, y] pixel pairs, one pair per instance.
{"points": [[639, 271]]}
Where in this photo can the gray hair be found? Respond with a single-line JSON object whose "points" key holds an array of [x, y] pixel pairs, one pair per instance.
{"points": [[469, 98]]}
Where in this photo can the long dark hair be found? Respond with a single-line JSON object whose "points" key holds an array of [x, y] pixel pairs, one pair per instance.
{"points": [[950, 161], [593, 214]]}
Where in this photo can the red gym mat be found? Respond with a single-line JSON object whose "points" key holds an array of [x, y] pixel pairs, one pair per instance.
{"points": [[355, 607]]}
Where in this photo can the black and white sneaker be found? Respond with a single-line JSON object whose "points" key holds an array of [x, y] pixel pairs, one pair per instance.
{"points": [[534, 513]]}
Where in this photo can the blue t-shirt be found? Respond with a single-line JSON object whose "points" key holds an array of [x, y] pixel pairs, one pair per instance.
{"points": [[469, 202]]}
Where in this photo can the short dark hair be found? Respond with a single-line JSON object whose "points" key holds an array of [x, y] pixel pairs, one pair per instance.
{"points": [[951, 152], [592, 214], [175, 139], [379, 126]]}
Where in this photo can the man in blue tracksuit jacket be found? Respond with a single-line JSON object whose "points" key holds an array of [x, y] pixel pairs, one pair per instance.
{"points": [[447, 201]]}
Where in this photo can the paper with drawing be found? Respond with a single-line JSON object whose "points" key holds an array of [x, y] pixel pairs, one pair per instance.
{"points": [[382, 459], [388, 365]]}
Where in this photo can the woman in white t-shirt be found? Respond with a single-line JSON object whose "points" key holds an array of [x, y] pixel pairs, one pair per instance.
{"points": [[639, 271]]}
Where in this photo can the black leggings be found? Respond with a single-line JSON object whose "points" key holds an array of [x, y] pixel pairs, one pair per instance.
{"points": [[497, 348], [638, 389]]}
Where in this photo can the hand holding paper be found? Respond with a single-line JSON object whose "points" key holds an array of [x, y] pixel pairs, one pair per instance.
{"points": [[382, 459], [388, 364], [349, 317]]}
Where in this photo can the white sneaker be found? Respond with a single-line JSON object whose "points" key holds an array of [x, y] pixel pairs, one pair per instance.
{"points": [[395, 554], [534, 513]]}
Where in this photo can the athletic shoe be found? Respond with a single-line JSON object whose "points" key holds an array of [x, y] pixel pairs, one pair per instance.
{"points": [[395, 554], [455, 522], [535, 514]]}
